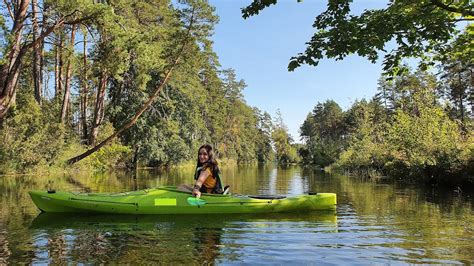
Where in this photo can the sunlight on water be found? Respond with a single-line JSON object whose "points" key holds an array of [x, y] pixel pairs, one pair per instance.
{"points": [[374, 223]]}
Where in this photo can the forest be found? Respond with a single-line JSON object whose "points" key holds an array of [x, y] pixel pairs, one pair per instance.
{"points": [[77, 73], [98, 85]]}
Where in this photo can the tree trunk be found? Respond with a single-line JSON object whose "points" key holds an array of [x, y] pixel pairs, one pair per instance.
{"points": [[15, 52], [37, 55], [99, 108], [10, 70], [59, 67], [135, 159], [85, 91], [67, 83], [57, 73], [461, 96]]}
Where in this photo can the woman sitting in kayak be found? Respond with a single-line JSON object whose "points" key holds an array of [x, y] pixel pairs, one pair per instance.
{"points": [[206, 177]]}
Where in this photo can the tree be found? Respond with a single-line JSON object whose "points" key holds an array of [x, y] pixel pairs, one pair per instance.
{"points": [[237, 115], [285, 152], [425, 145], [68, 77], [264, 137], [199, 19], [323, 131], [418, 28], [457, 76], [16, 42], [403, 91], [232, 88], [365, 123]]}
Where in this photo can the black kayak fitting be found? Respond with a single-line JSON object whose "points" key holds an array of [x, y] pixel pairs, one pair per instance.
{"points": [[267, 196]]}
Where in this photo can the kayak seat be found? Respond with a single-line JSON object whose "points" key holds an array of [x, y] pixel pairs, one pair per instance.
{"points": [[267, 196], [226, 190]]}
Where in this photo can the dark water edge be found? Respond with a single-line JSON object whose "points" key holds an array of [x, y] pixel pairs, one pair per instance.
{"points": [[462, 184], [376, 222]]}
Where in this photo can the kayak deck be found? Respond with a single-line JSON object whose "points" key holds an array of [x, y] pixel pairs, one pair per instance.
{"points": [[169, 200]]}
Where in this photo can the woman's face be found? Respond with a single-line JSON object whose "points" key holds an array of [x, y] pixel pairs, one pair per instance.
{"points": [[203, 155]]}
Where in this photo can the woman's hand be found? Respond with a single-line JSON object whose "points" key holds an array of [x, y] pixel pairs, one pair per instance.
{"points": [[196, 193]]}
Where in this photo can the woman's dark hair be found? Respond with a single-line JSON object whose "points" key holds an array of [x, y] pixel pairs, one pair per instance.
{"points": [[212, 163]]}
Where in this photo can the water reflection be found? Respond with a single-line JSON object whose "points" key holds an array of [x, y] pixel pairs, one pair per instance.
{"points": [[4, 246], [376, 222], [207, 242], [122, 238]]}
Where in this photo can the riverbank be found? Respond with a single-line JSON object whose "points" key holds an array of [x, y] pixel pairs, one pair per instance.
{"points": [[460, 183]]}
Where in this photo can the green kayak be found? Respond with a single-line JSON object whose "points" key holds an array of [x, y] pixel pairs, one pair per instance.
{"points": [[169, 200]]}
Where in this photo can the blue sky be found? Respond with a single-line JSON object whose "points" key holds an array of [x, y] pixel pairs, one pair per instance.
{"points": [[259, 49]]}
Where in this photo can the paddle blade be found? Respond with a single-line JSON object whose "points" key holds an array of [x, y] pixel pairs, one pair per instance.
{"points": [[196, 201]]}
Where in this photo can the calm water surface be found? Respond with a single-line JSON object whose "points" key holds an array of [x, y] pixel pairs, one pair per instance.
{"points": [[375, 222]]}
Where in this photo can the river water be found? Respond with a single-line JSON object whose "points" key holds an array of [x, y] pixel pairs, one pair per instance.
{"points": [[375, 222]]}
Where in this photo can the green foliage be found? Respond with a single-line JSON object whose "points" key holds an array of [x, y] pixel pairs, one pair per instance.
{"points": [[30, 137], [408, 91], [418, 28], [112, 156], [417, 141], [456, 78], [366, 126], [428, 144], [285, 152], [201, 103], [130, 45], [323, 132], [33, 140], [264, 137]]}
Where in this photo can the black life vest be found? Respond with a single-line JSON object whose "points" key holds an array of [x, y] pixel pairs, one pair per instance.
{"points": [[218, 189]]}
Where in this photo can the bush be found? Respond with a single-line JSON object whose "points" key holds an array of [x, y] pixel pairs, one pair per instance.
{"points": [[30, 138], [113, 155], [428, 145]]}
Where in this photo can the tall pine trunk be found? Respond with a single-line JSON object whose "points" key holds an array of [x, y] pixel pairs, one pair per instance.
{"points": [[59, 62], [461, 96], [84, 91], [99, 108], [10, 69], [58, 66], [67, 82], [37, 55]]}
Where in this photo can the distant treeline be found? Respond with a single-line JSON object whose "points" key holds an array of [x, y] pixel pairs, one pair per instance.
{"points": [[417, 127], [74, 72]]}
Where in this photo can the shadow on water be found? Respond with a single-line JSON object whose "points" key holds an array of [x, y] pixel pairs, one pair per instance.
{"points": [[96, 221]]}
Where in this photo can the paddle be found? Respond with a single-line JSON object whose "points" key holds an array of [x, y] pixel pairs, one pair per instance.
{"points": [[196, 201], [200, 202]]}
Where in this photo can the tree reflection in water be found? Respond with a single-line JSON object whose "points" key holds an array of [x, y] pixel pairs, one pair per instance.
{"points": [[207, 242]]}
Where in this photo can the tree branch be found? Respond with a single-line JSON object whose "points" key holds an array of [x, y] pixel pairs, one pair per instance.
{"points": [[449, 8], [463, 19], [9, 9], [58, 24]]}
